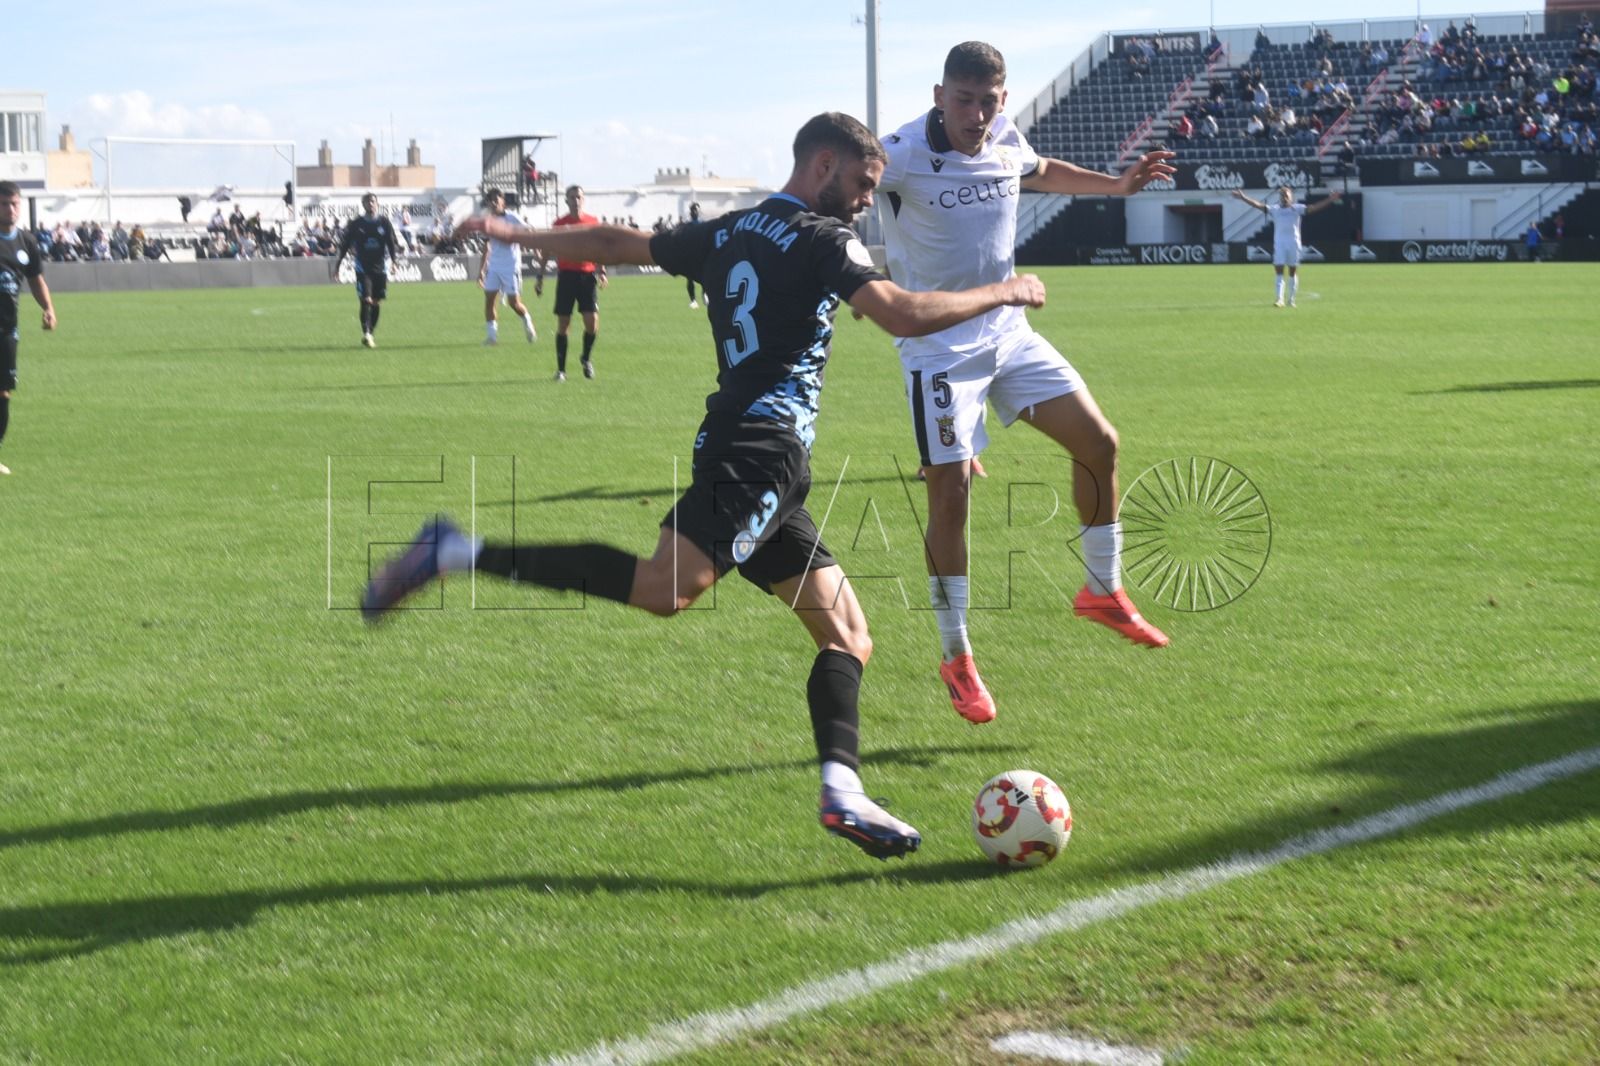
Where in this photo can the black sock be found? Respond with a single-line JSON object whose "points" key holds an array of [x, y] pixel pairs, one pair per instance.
{"points": [[834, 692], [372, 318], [596, 569], [588, 345], [561, 352], [691, 290], [5, 415], [366, 316]]}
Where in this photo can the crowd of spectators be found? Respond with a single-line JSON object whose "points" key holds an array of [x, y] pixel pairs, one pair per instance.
{"points": [[1465, 94]]}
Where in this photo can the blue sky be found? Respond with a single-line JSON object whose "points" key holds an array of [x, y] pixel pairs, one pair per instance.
{"points": [[629, 85]]}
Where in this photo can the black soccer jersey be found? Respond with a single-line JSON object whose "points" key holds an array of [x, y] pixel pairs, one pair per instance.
{"points": [[370, 239], [19, 261], [773, 277]]}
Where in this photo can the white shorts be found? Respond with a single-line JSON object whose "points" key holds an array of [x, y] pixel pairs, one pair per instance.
{"points": [[947, 391], [506, 281], [1286, 255]]}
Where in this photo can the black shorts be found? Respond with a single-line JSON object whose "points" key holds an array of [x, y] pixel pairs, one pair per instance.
{"points": [[576, 287], [372, 286], [8, 360], [746, 505]]}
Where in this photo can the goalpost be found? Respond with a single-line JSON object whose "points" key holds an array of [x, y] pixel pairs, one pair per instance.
{"points": [[206, 182]]}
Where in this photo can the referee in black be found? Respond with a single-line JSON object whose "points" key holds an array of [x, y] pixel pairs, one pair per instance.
{"points": [[371, 236], [20, 265], [774, 275]]}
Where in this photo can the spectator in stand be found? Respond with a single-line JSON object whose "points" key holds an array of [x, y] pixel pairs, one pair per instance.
{"points": [[136, 243], [1208, 125], [1531, 240], [156, 249], [119, 242], [99, 245], [1263, 42], [217, 223], [1255, 127], [1260, 98], [1183, 129], [1425, 38], [1213, 47], [1380, 57], [405, 222], [236, 221]]}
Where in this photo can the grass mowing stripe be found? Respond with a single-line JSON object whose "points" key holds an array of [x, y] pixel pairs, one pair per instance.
{"points": [[708, 1030]]}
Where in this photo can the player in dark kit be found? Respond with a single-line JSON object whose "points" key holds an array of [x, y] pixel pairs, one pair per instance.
{"points": [[694, 216], [774, 275], [372, 238], [20, 265]]}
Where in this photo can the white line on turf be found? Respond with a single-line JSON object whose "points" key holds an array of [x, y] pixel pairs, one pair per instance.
{"points": [[718, 1027], [1064, 1047]]}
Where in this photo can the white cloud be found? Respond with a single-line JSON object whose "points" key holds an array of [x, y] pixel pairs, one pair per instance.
{"points": [[136, 114]]}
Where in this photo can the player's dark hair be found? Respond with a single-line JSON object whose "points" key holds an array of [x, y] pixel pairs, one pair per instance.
{"points": [[573, 188], [975, 61], [840, 132], [9, 189], [490, 194]]}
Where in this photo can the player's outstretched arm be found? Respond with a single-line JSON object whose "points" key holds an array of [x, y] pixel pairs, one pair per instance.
{"points": [[1238, 194], [1059, 176], [41, 296], [916, 314], [602, 244], [1333, 198]]}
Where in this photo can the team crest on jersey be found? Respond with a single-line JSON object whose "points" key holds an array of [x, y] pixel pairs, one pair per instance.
{"points": [[1005, 157], [893, 138], [947, 430], [22, 256], [938, 164]]}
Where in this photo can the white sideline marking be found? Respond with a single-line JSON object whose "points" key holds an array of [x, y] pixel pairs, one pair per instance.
{"points": [[1064, 1047], [717, 1027]]}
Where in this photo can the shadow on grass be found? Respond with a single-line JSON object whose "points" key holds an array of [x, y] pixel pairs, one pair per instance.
{"points": [[597, 492], [1412, 769], [1518, 386], [288, 804], [88, 927]]}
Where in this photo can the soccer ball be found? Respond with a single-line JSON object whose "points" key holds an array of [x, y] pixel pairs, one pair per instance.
{"points": [[1021, 818]]}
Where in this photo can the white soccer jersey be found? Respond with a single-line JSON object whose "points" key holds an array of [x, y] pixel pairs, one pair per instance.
{"points": [[504, 256], [1286, 224], [950, 221]]}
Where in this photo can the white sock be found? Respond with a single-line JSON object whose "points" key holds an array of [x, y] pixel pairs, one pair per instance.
{"points": [[458, 552], [1277, 288], [1102, 558], [840, 778], [527, 319], [1294, 286], [950, 597], [493, 328]]}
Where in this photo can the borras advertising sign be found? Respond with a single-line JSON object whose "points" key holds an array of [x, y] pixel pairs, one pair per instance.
{"points": [[1225, 177], [421, 268]]}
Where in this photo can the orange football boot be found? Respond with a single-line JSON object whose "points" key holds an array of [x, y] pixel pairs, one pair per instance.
{"points": [[1119, 613], [967, 690]]}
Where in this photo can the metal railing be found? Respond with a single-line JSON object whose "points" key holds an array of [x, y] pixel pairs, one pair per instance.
{"points": [[1548, 198]]}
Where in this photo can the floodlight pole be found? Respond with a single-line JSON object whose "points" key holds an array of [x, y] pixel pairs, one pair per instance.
{"points": [[872, 65]]}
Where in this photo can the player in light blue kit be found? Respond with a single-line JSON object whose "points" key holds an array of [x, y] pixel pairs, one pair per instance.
{"points": [[501, 272], [1286, 216]]}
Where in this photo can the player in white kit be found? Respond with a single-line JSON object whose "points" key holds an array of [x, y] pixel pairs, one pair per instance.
{"points": [[1286, 216], [952, 186], [501, 272]]}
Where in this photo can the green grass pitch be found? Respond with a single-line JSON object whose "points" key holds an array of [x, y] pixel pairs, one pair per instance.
{"points": [[239, 826]]}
